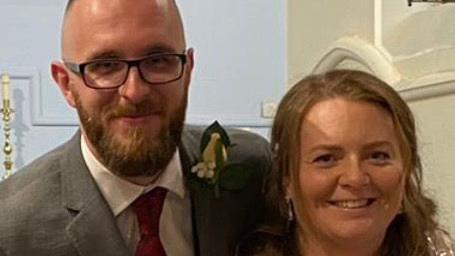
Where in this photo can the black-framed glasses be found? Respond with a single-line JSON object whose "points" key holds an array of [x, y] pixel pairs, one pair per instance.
{"points": [[157, 68]]}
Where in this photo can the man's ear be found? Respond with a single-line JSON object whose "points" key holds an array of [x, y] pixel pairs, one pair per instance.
{"points": [[189, 66], [61, 77]]}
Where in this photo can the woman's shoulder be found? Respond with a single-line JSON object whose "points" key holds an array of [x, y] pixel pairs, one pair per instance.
{"points": [[441, 243]]}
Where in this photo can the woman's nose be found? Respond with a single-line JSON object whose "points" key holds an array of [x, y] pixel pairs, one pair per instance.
{"points": [[354, 174]]}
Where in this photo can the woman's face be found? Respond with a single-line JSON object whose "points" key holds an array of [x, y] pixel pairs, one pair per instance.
{"points": [[351, 174]]}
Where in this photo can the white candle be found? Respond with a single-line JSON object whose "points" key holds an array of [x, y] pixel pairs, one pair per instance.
{"points": [[5, 83]]}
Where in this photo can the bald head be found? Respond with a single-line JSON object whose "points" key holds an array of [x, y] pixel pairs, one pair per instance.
{"points": [[85, 19], [69, 4]]}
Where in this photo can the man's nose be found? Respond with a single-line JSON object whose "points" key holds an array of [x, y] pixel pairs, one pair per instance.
{"points": [[354, 174], [135, 89]]}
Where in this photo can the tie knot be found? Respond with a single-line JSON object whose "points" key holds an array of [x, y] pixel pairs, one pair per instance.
{"points": [[148, 209]]}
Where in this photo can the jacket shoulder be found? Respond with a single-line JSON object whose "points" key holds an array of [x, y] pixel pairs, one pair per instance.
{"points": [[38, 171]]}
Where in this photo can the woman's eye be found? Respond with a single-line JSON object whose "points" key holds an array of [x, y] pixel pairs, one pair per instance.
{"points": [[325, 160], [380, 157]]}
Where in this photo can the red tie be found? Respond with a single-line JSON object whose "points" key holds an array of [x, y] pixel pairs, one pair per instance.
{"points": [[148, 210]]}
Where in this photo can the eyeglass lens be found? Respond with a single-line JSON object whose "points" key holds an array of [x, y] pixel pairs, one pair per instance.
{"points": [[113, 73]]}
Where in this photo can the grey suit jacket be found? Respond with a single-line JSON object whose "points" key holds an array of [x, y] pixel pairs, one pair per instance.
{"points": [[53, 206]]}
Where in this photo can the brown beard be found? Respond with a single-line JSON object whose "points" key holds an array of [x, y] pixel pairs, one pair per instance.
{"points": [[142, 155]]}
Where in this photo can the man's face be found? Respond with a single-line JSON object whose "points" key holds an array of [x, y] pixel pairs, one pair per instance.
{"points": [[135, 128]]}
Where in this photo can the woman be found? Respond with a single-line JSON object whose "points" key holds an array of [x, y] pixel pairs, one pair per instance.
{"points": [[347, 174]]}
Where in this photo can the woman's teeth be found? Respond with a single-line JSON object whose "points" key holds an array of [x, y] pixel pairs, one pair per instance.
{"points": [[351, 204]]}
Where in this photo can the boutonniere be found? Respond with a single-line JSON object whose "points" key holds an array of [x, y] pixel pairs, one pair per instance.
{"points": [[214, 169]]}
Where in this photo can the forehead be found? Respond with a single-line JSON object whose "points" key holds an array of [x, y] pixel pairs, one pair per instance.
{"points": [[121, 27], [340, 120]]}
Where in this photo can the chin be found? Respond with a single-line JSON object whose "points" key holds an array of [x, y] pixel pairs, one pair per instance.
{"points": [[359, 233]]}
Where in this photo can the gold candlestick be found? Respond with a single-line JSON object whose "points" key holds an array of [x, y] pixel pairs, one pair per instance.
{"points": [[7, 113]]}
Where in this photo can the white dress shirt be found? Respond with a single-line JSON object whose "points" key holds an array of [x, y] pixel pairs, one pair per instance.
{"points": [[175, 229]]}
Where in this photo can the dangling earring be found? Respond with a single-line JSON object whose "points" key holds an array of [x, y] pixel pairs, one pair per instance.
{"points": [[290, 219]]}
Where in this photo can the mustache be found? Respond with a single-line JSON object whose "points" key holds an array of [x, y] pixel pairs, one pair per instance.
{"points": [[141, 109]]}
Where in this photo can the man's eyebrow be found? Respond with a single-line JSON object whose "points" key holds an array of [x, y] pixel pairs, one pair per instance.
{"points": [[104, 55], [157, 48], [160, 48]]}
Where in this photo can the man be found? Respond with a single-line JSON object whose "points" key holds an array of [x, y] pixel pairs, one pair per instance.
{"points": [[126, 70]]}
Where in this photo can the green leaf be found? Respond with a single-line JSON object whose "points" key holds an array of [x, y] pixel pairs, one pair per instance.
{"points": [[234, 176], [215, 127]]}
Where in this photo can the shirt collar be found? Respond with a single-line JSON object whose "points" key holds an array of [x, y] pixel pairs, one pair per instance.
{"points": [[120, 193]]}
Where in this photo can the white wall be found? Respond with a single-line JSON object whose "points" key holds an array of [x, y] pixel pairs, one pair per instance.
{"points": [[412, 48], [240, 62], [314, 25], [436, 130]]}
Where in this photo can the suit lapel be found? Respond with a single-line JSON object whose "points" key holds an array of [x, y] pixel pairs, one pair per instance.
{"points": [[210, 230], [92, 230], [218, 223], [188, 157], [215, 222]]}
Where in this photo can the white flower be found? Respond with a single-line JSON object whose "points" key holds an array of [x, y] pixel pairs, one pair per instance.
{"points": [[211, 165], [201, 173], [204, 170], [199, 166], [207, 168], [210, 174]]}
